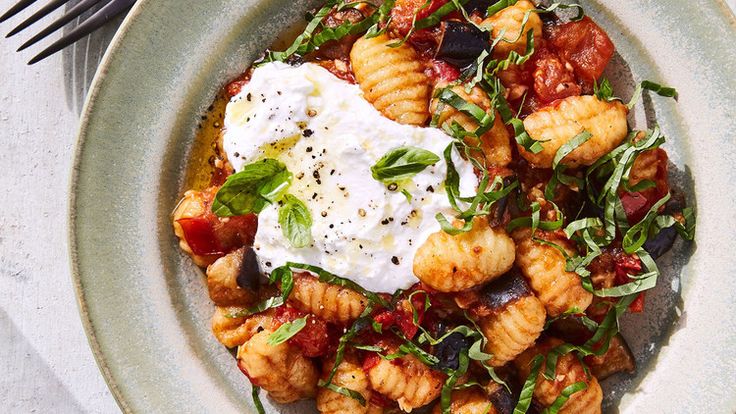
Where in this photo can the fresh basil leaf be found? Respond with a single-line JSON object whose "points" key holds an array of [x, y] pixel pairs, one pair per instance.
{"points": [[446, 392], [603, 90], [295, 221], [381, 17], [402, 163], [287, 331], [253, 188]]}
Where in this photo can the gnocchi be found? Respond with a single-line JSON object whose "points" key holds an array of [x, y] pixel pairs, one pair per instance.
{"points": [[330, 302], [510, 25], [454, 263], [406, 381], [281, 369], [222, 281], [569, 371], [350, 375], [555, 125], [392, 79], [544, 267], [495, 144], [233, 332]]}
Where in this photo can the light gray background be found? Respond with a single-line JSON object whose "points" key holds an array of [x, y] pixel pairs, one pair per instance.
{"points": [[45, 362]]}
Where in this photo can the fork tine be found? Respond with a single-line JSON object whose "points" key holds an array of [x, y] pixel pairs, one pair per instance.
{"points": [[70, 15], [41, 13], [98, 19], [22, 4]]}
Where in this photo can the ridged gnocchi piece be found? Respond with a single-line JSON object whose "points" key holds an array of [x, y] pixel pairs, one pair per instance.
{"points": [[281, 369], [233, 332], [350, 375], [468, 401], [569, 371], [559, 123], [222, 281], [649, 165], [392, 79], [192, 205], [513, 326], [407, 381], [331, 303], [494, 144], [508, 23], [453, 263], [544, 268]]}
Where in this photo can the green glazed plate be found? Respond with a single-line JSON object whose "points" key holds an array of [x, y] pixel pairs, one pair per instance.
{"points": [[145, 306]]}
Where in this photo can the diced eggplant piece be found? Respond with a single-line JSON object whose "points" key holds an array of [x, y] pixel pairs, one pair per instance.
{"points": [[250, 272], [479, 5], [461, 43], [448, 351], [618, 358], [502, 400], [504, 290], [662, 243]]}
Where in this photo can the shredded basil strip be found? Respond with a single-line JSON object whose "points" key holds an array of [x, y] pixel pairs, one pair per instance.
{"points": [[327, 277], [446, 392], [607, 329], [351, 333], [402, 163], [523, 138], [287, 331], [343, 391], [558, 169], [437, 16], [564, 396], [257, 399], [383, 18], [527, 390], [304, 37], [253, 188], [484, 118], [534, 222], [637, 235], [660, 90]]}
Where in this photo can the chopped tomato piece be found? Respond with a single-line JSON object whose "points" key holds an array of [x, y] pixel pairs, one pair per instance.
{"points": [[637, 306], [200, 236], [402, 15], [444, 71], [585, 45], [553, 79], [315, 339], [626, 265]]}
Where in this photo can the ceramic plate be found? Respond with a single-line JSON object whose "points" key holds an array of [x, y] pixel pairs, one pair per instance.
{"points": [[145, 306]]}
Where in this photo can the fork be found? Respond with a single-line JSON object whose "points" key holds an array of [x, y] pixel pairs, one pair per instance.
{"points": [[109, 9]]}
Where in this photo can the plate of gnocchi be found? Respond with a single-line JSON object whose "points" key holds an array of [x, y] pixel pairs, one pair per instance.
{"points": [[433, 206]]}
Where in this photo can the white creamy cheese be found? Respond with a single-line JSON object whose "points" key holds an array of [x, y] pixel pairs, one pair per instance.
{"points": [[329, 136]]}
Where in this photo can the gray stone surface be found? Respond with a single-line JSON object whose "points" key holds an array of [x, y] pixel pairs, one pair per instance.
{"points": [[45, 362]]}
